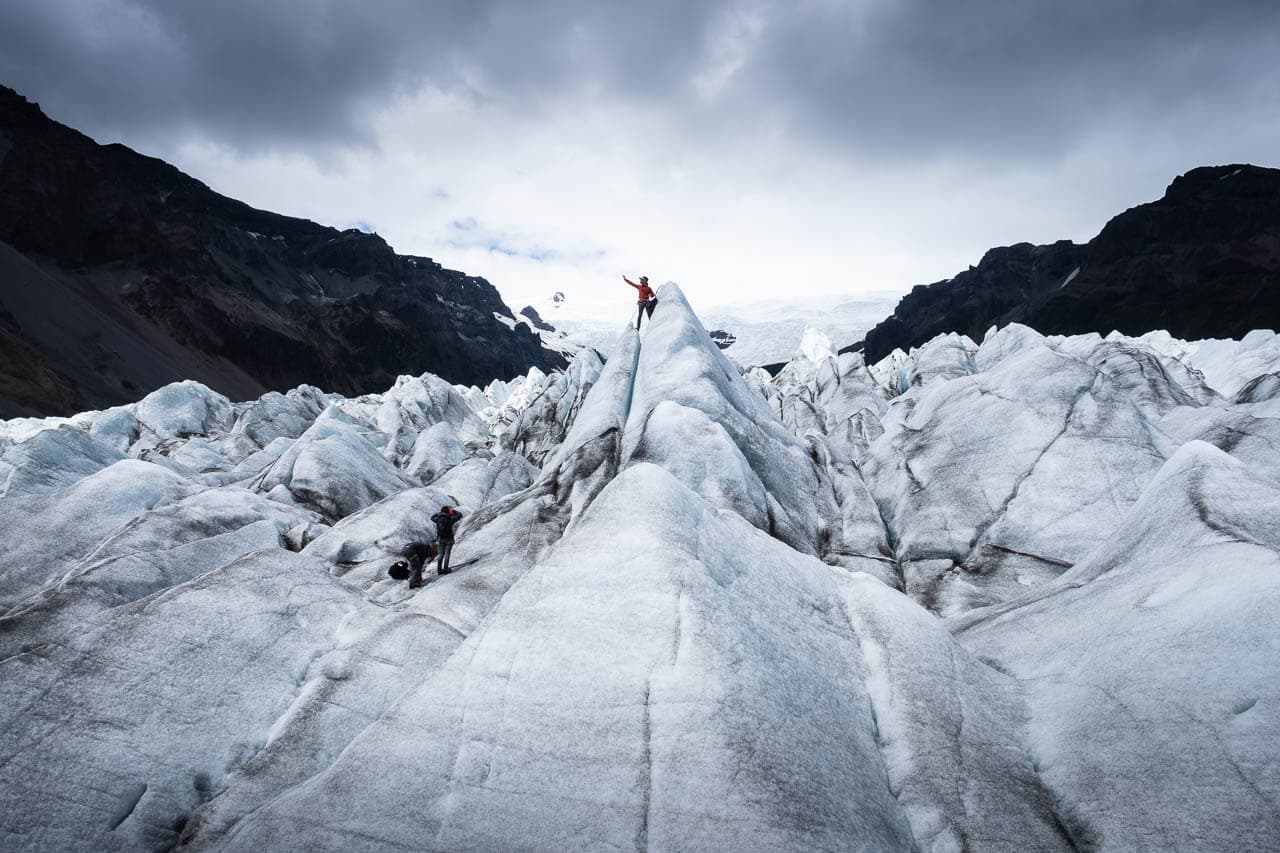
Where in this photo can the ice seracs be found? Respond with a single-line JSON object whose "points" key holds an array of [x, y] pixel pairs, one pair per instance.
{"points": [[53, 459], [1008, 595], [815, 346], [1151, 664], [612, 700], [334, 468]]}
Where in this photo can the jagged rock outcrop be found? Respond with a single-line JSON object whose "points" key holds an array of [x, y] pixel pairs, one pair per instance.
{"points": [[535, 319], [1201, 262], [723, 339], [119, 274]]}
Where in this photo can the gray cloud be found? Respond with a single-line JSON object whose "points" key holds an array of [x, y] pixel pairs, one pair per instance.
{"points": [[241, 73], [981, 81], [294, 73], [1020, 78]]}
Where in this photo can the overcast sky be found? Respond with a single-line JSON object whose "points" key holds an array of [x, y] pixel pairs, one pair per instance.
{"points": [[749, 150]]}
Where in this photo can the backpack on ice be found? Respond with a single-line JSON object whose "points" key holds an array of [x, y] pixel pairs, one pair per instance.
{"points": [[399, 570]]}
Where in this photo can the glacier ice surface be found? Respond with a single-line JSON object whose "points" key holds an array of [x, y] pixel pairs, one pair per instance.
{"points": [[1015, 594]]}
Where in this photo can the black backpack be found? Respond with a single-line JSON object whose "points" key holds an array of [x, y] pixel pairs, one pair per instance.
{"points": [[399, 570]]}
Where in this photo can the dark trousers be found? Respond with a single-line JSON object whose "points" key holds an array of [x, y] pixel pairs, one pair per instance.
{"points": [[645, 306], [446, 551], [415, 571]]}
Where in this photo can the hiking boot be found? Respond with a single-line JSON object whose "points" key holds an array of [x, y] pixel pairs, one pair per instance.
{"points": [[414, 584], [444, 571]]}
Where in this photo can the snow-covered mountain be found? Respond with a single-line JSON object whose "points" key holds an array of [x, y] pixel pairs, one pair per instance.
{"points": [[1011, 596], [770, 332], [758, 333]]}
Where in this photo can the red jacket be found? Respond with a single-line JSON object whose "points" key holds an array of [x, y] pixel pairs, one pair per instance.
{"points": [[646, 292]]}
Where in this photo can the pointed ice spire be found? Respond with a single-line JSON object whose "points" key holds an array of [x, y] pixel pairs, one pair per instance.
{"points": [[814, 345], [692, 413]]}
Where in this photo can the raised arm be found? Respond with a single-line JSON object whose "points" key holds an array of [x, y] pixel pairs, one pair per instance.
{"points": [[630, 282]]}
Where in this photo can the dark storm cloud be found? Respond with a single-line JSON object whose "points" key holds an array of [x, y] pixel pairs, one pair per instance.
{"points": [[883, 78], [307, 72], [1020, 78]]}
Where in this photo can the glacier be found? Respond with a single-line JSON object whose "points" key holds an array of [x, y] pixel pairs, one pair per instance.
{"points": [[1016, 594]]}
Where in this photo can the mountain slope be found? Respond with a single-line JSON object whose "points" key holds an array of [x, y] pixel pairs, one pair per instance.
{"points": [[1201, 262], [118, 273]]}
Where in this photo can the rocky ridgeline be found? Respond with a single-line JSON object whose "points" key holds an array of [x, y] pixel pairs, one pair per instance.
{"points": [[1010, 596], [1201, 262], [119, 274]]}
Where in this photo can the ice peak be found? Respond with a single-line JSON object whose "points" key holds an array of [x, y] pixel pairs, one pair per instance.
{"points": [[814, 345]]}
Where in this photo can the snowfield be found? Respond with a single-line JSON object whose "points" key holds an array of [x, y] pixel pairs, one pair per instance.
{"points": [[1017, 595], [760, 332]]}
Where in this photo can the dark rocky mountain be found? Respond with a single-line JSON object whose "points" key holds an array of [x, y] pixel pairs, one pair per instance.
{"points": [[1203, 261], [531, 314], [119, 273], [723, 339]]}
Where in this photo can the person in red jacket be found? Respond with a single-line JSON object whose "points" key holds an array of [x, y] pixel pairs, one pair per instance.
{"points": [[648, 301]]}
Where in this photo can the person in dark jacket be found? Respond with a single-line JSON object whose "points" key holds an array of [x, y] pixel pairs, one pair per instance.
{"points": [[647, 299], [445, 519], [417, 553]]}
